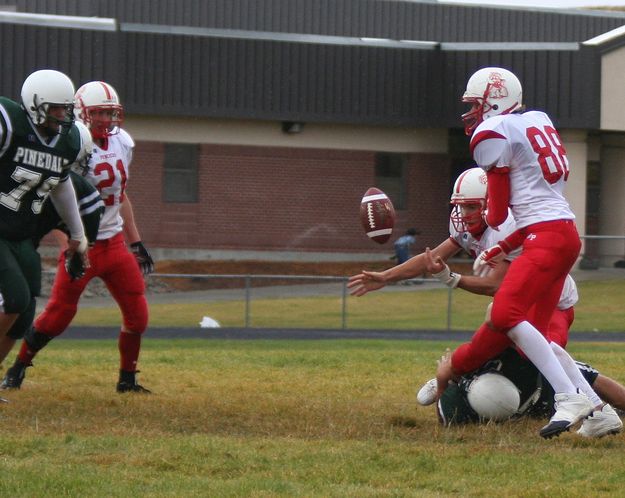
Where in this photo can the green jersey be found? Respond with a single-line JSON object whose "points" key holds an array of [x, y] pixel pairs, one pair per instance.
{"points": [[90, 206], [31, 165]]}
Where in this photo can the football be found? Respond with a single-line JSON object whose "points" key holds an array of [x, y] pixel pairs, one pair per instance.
{"points": [[377, 215]]}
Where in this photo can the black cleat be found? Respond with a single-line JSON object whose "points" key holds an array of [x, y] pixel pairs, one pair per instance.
{"points": [[128, 383], [14, 376], [554, 429], [125, 387]]}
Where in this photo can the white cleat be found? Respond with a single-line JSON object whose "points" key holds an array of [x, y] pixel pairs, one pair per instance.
{"points": [[427, 394], [570, 409], [601, 423]]}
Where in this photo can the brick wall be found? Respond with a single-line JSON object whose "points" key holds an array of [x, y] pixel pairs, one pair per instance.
{"points": [[281, 199]]}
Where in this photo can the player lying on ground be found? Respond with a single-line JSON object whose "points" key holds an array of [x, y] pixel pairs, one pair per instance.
{"points": [[481, 396], [469, 232]]}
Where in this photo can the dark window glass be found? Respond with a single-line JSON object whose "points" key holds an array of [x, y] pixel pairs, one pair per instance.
{"points": [[390, 177], [180, 181]]}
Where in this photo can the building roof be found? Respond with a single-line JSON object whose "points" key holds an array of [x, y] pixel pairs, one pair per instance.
{"points": [[386, 62]]}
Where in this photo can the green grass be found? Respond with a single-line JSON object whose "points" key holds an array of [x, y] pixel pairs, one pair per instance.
{"points": [[278, 418], [600, 308]]}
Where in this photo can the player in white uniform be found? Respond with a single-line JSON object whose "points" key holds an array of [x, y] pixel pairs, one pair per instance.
{"points": [[526, 165], [469, 232], [97, 105]]}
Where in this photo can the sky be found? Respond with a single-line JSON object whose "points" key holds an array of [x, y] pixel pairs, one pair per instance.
{"points": [[547, 3]]}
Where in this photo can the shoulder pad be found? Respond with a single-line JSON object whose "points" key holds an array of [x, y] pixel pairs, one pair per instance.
{"points": [[125, 138]]}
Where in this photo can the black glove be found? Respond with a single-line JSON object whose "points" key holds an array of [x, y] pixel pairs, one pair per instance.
{"points": [[74, 266], [145, 261]]}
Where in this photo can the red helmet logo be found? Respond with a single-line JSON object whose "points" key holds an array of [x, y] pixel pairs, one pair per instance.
{"points": [[497, 89]]}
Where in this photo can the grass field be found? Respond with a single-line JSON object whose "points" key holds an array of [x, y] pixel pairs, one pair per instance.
{"points": [[600, 308], [278, 418]]}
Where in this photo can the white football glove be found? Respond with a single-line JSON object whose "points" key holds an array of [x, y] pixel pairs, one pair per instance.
{"points": [[448, 277]]}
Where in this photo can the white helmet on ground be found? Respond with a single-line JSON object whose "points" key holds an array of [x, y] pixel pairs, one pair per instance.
{"points": [[470, 188], [81, 165], [45, 88], [493, 397], [491, 91], [98, 106]]}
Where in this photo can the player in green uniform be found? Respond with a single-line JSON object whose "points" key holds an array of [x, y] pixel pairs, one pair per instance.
{"points": [[38, 144], [535, 394]]}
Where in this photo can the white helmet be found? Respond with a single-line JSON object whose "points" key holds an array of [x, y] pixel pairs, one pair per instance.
{"points": [[44, 88], [81, 165], [493, 397], [98, 106], [470, 188], [491, 91]]}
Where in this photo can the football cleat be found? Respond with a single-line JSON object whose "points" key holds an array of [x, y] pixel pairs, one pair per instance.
{"points": [[427, 394], [128, 383], [14, 376], [601, 423], [570, 409]]}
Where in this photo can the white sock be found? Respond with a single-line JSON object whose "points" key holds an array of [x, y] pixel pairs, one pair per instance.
{"points": [[537, 349], [573, 373]]}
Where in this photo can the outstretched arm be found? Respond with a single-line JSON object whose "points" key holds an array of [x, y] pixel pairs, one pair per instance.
{"points": [[368, 281]]}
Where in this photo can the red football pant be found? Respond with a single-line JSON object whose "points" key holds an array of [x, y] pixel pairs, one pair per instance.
{"points": [[116, 266], [487, 343], [536, 277]]}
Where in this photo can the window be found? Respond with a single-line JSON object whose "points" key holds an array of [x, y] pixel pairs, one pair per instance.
{"points": [[390, 177], [180, 176]]}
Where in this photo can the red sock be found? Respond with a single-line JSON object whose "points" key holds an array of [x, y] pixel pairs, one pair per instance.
{"points": [[26, 355], [129, 346]]}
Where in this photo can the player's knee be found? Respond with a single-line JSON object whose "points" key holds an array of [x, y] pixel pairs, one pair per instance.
{"points": [[56, 318], [504, 318], [16, 303], [137, 320]]}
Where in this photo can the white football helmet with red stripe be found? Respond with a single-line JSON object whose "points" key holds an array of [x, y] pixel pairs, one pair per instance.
{"points": [[491, 91], [469, 201], [98, 106]]}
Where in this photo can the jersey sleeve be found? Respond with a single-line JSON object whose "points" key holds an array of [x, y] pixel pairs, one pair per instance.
{"points": [[90, 206], [490, 146], [127, 143]]}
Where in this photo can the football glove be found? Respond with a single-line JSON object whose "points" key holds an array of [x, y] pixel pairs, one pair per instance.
{"points": [[74, 265], [490, 257], [141, 254], [448, 277]]}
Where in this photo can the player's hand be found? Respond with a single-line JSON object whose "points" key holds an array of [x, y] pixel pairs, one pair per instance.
{"points": [[444, 373], [439, 269], [75, 264], [366, 281], [141, 254], [490, 257], [76, 258]]}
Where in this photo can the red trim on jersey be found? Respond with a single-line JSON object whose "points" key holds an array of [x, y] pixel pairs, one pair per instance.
{"points": [[484, 135], [498, 196]]}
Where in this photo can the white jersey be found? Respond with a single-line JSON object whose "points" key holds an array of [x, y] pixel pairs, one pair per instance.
{"points": [[491, 237], [108, 172], [529, 146], [569, 296]]}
